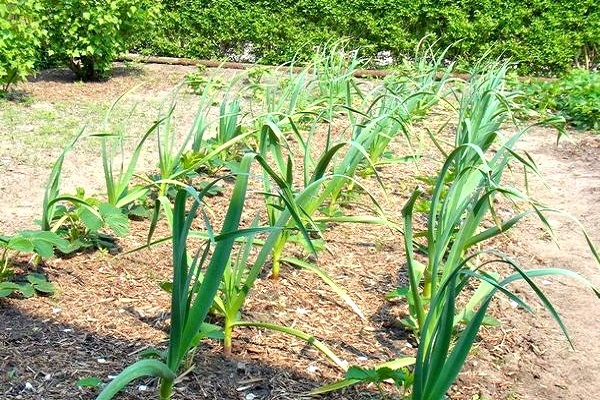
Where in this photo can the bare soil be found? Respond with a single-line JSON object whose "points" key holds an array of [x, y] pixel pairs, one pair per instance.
{"points": [[109, 309]]}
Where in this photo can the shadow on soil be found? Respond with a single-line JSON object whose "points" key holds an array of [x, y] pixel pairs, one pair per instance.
{"points": [[44, 359], [65, 75]]}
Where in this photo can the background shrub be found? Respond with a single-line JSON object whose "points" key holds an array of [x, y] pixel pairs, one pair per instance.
{"points": [[88, 34], [20, 35], [545, 36]]}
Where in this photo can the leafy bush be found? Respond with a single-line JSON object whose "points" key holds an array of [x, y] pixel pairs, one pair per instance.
{"points": [[20, 35], [545, 36], [88, 34], [575, 96]]}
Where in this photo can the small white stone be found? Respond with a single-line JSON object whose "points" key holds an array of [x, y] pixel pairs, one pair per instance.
{"points": [[312, 369], [67, 330], [142, 388], [250, 396], [28, 386], [546, 282], [56, 310], [111, 377], [514, 304], [101, 361], [362, 359], [303, 311]]}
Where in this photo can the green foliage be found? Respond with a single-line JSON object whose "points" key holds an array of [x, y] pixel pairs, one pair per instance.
{"points": [[188, 307], [395, 370], [118, 178], [87, 35], [81, 220], [543, 36], [78, 218], [200, 81], [34, 283], [42, 245], [575, 97], [20, 36], [464, 196], [196, 281], [446, 312], [288, 111]]}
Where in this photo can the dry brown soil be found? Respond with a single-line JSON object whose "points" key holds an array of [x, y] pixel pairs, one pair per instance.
{"points": [[109, 309]]}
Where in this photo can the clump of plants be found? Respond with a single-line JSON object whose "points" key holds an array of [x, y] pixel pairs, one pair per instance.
{"points": [[575, 96], [41, 245], [456, 275], [78, 218], [197, 277], [200, 82]]}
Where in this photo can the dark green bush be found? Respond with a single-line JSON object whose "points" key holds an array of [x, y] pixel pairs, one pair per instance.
{"points": [[544, 36], [87, 35], [20, 35]]}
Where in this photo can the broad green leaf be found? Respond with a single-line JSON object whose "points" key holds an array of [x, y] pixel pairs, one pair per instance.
{"points": [[40, 283], [114, 218], [91, 220], [6, 288], [19, 243]]}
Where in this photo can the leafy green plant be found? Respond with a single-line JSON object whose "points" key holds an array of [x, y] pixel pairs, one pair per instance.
{"points": [[396, 370], [238, 279], [318, 187], [88, 34], [310, 192], [334, 68], [574, 96], [196, 281], [180, 158], [442, 349], [20, 36], [464, 195], [254, 78], [188, 307], [224, 146], [119, 189], [465, 178], [42, 245], [201, 83], [76, 217], [81, 219]]}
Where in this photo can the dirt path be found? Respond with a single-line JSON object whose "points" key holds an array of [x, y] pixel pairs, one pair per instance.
{"points": [[571, 174]]}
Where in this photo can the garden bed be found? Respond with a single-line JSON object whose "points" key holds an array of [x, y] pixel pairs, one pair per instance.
{"points": [[110, 309]]}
